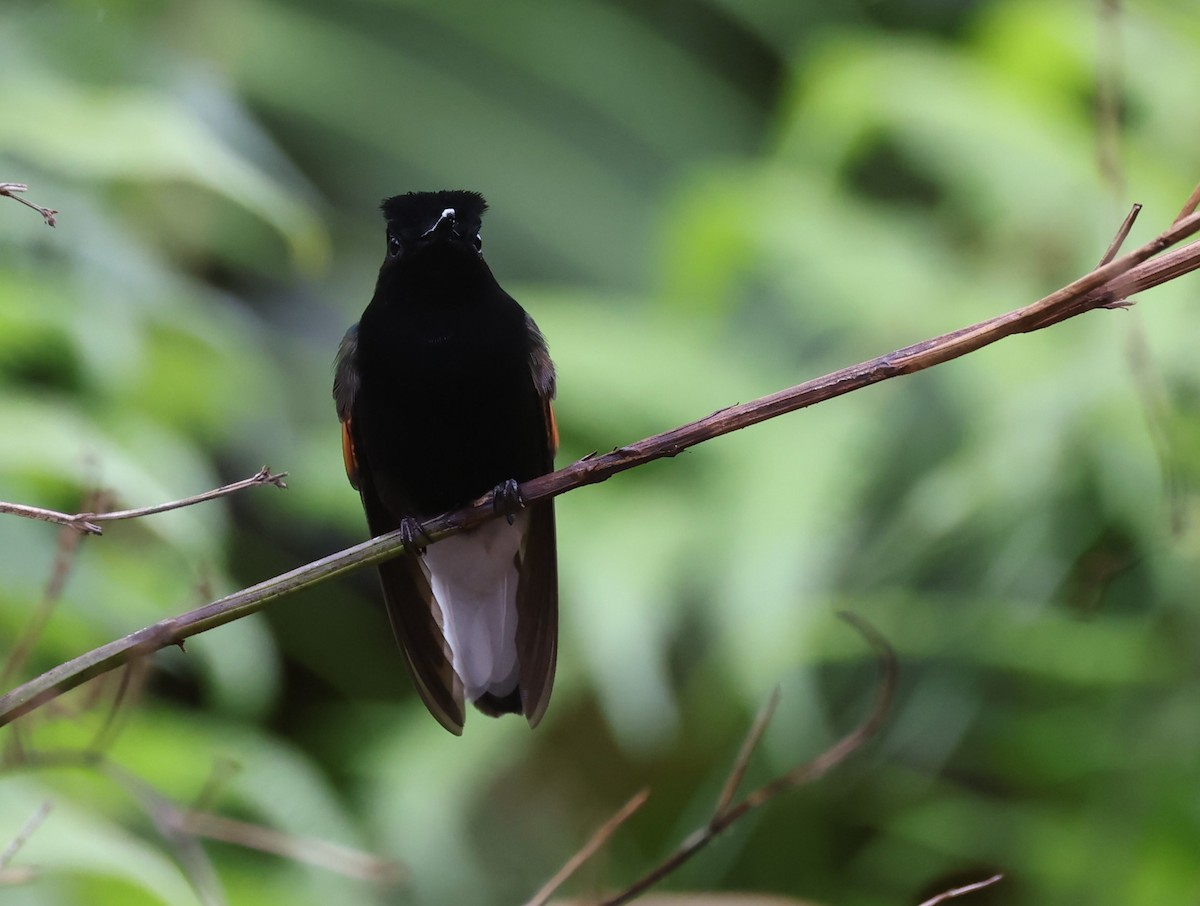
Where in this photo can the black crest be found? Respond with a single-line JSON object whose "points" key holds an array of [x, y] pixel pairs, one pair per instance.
{"points": [[420, 210]]}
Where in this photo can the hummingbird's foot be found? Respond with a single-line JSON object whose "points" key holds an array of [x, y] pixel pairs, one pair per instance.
{"points": [[413, 535], [507, 499]]}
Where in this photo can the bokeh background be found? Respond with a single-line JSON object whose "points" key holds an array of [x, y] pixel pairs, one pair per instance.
{"points": [[701, 202]]}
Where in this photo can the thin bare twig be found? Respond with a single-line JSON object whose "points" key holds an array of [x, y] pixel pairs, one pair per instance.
{"points": [[1160, 425], [353, 863], [262, 476], [27, 829], [1122, 234], [196, 865], [728, 812], [597, 840], [13, 189], [1119, 278], [124, 701], [959, 891], [223, 770], [1109, 254], [1189, 206], [740, 764], [87, 523]]}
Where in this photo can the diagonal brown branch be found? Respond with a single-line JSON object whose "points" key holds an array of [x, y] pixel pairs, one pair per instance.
{"points": [[1113, 281]]}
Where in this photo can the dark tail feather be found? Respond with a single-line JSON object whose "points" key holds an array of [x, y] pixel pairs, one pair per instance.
{"points": [[537, 614], [416, 620], [410, 608]]}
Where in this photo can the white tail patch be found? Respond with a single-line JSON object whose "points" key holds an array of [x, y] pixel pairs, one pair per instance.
{"points": [[474, 577]]}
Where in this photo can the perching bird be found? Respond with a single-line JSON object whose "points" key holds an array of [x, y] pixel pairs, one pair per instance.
{"points": [[444, 391]]}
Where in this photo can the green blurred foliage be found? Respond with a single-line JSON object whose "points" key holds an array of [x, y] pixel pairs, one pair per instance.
{"points": [[701, 203]]}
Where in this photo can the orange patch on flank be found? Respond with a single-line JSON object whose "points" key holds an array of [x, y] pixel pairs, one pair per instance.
{"points": [[348, 456], [552, 427]]}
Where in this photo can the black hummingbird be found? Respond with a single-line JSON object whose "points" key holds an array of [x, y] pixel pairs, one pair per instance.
{"points": [[444, 391]]}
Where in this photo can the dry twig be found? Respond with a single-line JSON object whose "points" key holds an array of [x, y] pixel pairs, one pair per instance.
{"points": [[597, 840], [9, 876], [728, 812], [965, 889], [87, 523], [13, 189], [122, 704], [1103, 287], [32, 824], [344, 860], [182, 828], [1122, 234], [1189, 206]]}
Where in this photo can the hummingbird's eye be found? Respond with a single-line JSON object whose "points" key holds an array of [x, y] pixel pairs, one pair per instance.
{"points": [[478, 243], [394, 247]]}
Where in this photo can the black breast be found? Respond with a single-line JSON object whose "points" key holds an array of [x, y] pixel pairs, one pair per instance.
{"points": [[446, 408]]}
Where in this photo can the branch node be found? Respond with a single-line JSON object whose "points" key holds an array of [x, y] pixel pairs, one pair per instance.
{"points": [[266, 476]]}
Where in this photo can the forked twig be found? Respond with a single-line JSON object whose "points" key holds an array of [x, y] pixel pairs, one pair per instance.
{"points": [[738, 772], [597, 840], [727, 811]]}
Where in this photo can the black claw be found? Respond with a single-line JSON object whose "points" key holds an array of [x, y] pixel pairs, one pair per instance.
{"points": [[507, 499], [413, 535]]}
